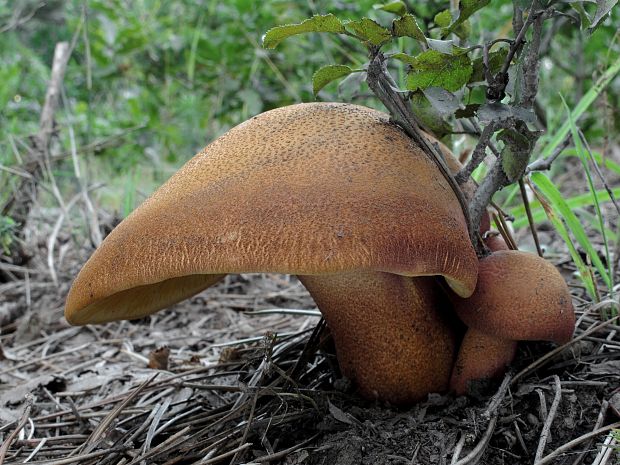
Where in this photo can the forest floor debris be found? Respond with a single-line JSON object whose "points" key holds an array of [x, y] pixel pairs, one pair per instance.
{"points": [[240, 374]]}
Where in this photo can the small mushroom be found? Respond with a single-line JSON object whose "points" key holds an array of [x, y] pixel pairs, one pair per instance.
{"points": [[481, 356], [495, 242], [519, 296], [334, 193]]}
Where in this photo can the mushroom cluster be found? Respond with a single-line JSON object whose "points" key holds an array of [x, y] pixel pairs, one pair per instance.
{"points": [[519, 297], [335, 194]]}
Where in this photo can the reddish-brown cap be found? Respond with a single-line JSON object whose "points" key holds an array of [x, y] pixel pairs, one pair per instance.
{"points": [[519, 296], [306, 189], [495, 242]]}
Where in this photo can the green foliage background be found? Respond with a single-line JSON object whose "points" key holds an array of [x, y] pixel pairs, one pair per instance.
{"points": [[150, 82]]}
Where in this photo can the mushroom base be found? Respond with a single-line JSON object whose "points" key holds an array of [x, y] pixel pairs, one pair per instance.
{"points": [[392, 333], [481, 356]]}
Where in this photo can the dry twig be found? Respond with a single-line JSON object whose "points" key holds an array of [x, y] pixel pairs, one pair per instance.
{"points": [[22, 422], [544, 435], [569, 445]]}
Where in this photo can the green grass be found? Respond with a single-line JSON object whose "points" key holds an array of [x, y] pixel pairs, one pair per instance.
{"points": [[572, 215]]}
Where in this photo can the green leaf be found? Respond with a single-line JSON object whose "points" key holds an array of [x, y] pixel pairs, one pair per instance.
{"points": [[584, 19], [466, 9], [398, 7], [499, 112], [468, 112], [592, 220], [598, 157], [496, 61], [560, 207], [581, 152], [407, 26], [603, 7], [446, 103], [10, 76], [431, 68], [515, 154], [319, 23], [327, 74], [463, 30], [560, 226], [581, 107], [443, 18], [445, 46], [430, 117], [191, 62], [575, 202], [409, 59], [369, 31]]}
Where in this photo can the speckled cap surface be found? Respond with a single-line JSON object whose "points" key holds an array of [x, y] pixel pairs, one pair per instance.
{"points": [[306, 189], [519, 296]]}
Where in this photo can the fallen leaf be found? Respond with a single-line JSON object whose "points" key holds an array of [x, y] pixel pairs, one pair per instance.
{"points": [[158, 359]]}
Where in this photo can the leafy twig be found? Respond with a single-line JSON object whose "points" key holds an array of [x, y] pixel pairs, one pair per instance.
{"points": [[381, 83], [496, 179]]}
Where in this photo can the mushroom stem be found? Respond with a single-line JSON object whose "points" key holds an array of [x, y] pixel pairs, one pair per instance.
{"points": [[391, 335], [519, 296], [481, 356]]}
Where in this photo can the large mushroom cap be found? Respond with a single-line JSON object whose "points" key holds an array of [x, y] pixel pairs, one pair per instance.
{"points": [[306, 189], [519, 296]]}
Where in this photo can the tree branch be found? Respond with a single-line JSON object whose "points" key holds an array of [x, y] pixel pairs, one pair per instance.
{"points": [[383, 86], [478, 154], [496, 179]]}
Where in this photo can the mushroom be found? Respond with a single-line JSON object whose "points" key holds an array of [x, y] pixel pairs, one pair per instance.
{"points": [[481, 356], [392, 333], [519, 296], [334, 193], [495, 242]]}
